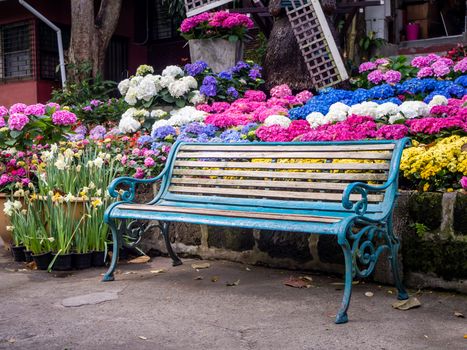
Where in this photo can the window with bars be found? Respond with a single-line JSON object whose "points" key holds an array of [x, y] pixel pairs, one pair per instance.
{"points": [[16, 51], [48, 51], [164, 26]]}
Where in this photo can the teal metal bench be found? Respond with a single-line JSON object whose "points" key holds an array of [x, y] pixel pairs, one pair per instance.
{"points": [[345, 189]]}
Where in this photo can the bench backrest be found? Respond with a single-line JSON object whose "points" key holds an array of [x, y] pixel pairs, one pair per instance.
{"points": [[285, 175]]}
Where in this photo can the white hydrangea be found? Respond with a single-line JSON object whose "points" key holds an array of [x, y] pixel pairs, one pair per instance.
{"points": [[178, 88], [387, 109], [396, 117], [190, 82], [364, 109], [134, 82], [158, 113], [166, 81], [186, 115], [129, 113], [123, 86], [315, 119], [144, 69], [339, 107], [414, 109], [158, 123], [438, 100], [131, 96], [277, 119], [140, 113], [128, 125], [146, 89], [172, 71], [335, 116], [197, 98]]}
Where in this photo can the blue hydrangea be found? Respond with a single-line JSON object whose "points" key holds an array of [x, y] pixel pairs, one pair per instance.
{"points": [[239, 66], [193, 128], [209, 87], [456, 90], [380, 92], [225, 75], [196, 68], [142, 140], [230, 136], [246, 128], [254, 74], [210, 130], [163, 131], [97, 133], [462, 80], [231, 91]]}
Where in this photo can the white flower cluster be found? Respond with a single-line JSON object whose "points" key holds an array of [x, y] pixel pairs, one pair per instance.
{"points": [[10, 206], [277, 119], [407, 110], [129, 123], [171, 82], [180, 117]]}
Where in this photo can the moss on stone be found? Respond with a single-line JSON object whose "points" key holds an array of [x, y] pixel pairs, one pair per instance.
{"points": [[426, 208], [460, 215], [231, 238]]}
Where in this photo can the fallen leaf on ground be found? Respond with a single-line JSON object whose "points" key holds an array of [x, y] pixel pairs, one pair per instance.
{"points": [[231, 284], [199, 266], [407, 304], [139, 260], [369, 294], [31, 265], [298, 282], [214, 278], [129, 273], [158, 271], [459, 314], [141, 337], [198, 278]]}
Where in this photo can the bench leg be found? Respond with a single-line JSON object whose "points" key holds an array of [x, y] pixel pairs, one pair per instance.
{"points": [[394, 245], [165, 232], [109, 276], [342, 313]]}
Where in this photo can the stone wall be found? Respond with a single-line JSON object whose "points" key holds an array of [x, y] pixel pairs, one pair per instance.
{"points": [[432, 228]]}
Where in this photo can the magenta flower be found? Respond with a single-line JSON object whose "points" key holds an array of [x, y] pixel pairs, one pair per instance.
{"points": [[440, 69], [304, 96], [421, 61], [139, 173], [392, 76], [53, 105], [460, 66], [425, 72], [3, 111], [273, 133], [381, 61], [464, 182], [2, 122], [18, 108], [17, 121], [64, 118], [367, 66], [254, 95], [392, 132], [375, 77], [281, 91], [37, 110], [149, 162]]}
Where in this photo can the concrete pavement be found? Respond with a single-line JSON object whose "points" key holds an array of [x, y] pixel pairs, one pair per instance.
{"points": [[147, 309]]}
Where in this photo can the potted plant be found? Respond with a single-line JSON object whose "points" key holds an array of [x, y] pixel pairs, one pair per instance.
{"points": [[14, 210], [216, 38]]}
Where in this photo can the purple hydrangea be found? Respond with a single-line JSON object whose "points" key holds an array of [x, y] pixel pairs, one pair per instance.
{"points": [[239, 66], [87, 108], [376, 77], [95, 103], [17, 121], [231, 91], [225, 75], [254, 74], [163, 131], [142, 140], [196, 68], [209, 87], [98, 132]]}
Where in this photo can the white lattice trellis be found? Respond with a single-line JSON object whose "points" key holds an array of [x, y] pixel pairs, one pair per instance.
{"points": [[195, 7], [316, 43]]}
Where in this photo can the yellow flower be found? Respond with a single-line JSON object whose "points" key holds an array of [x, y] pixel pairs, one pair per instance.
{"points": [[96, 203], [426, 187]]}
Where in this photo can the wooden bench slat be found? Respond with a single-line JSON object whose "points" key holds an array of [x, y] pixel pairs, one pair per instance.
{"points": [[284, 174], [259, 183], [285, 155], [270, 194], [290, 148], [230, 213], [304, 166]]}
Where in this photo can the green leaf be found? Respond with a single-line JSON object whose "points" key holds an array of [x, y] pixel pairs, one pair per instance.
{"points": [[180, 103], [15, 133], [233, 38]]}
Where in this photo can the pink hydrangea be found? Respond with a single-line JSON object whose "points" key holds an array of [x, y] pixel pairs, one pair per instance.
{"points": [[392, 76], [304, 96], [149, 162], [440, 69], [353, 128], [64, 118], [2, 122], [3, 111], [273, 133], [18, 108], [280, 91], [298, 128], [219, 107], [53, 105], [189, 23], [237, 20], [204, 107], [376, 77], [381, 61], [367, 66], [425, 72], [392, 132], [432, 126], [139, 173], [17, 121], [460, 66], [37, 109], [254, 95], [463, 182], [421, 61]]}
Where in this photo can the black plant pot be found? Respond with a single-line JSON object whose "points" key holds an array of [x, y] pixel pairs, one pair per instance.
{"points": [[18, 253], [82, 260], [42, 260], [28, 256], [98, 259], [63, 262]]}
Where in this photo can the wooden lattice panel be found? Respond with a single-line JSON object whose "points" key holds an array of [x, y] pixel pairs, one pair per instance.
{"points": [[195, 7], [316, 43]]}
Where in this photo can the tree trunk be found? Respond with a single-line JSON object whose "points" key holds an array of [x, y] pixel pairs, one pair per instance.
{"points": [[90, 33]]}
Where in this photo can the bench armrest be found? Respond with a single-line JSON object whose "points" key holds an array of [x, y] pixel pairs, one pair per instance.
{"points": [[362, 188], [129, 194]]}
